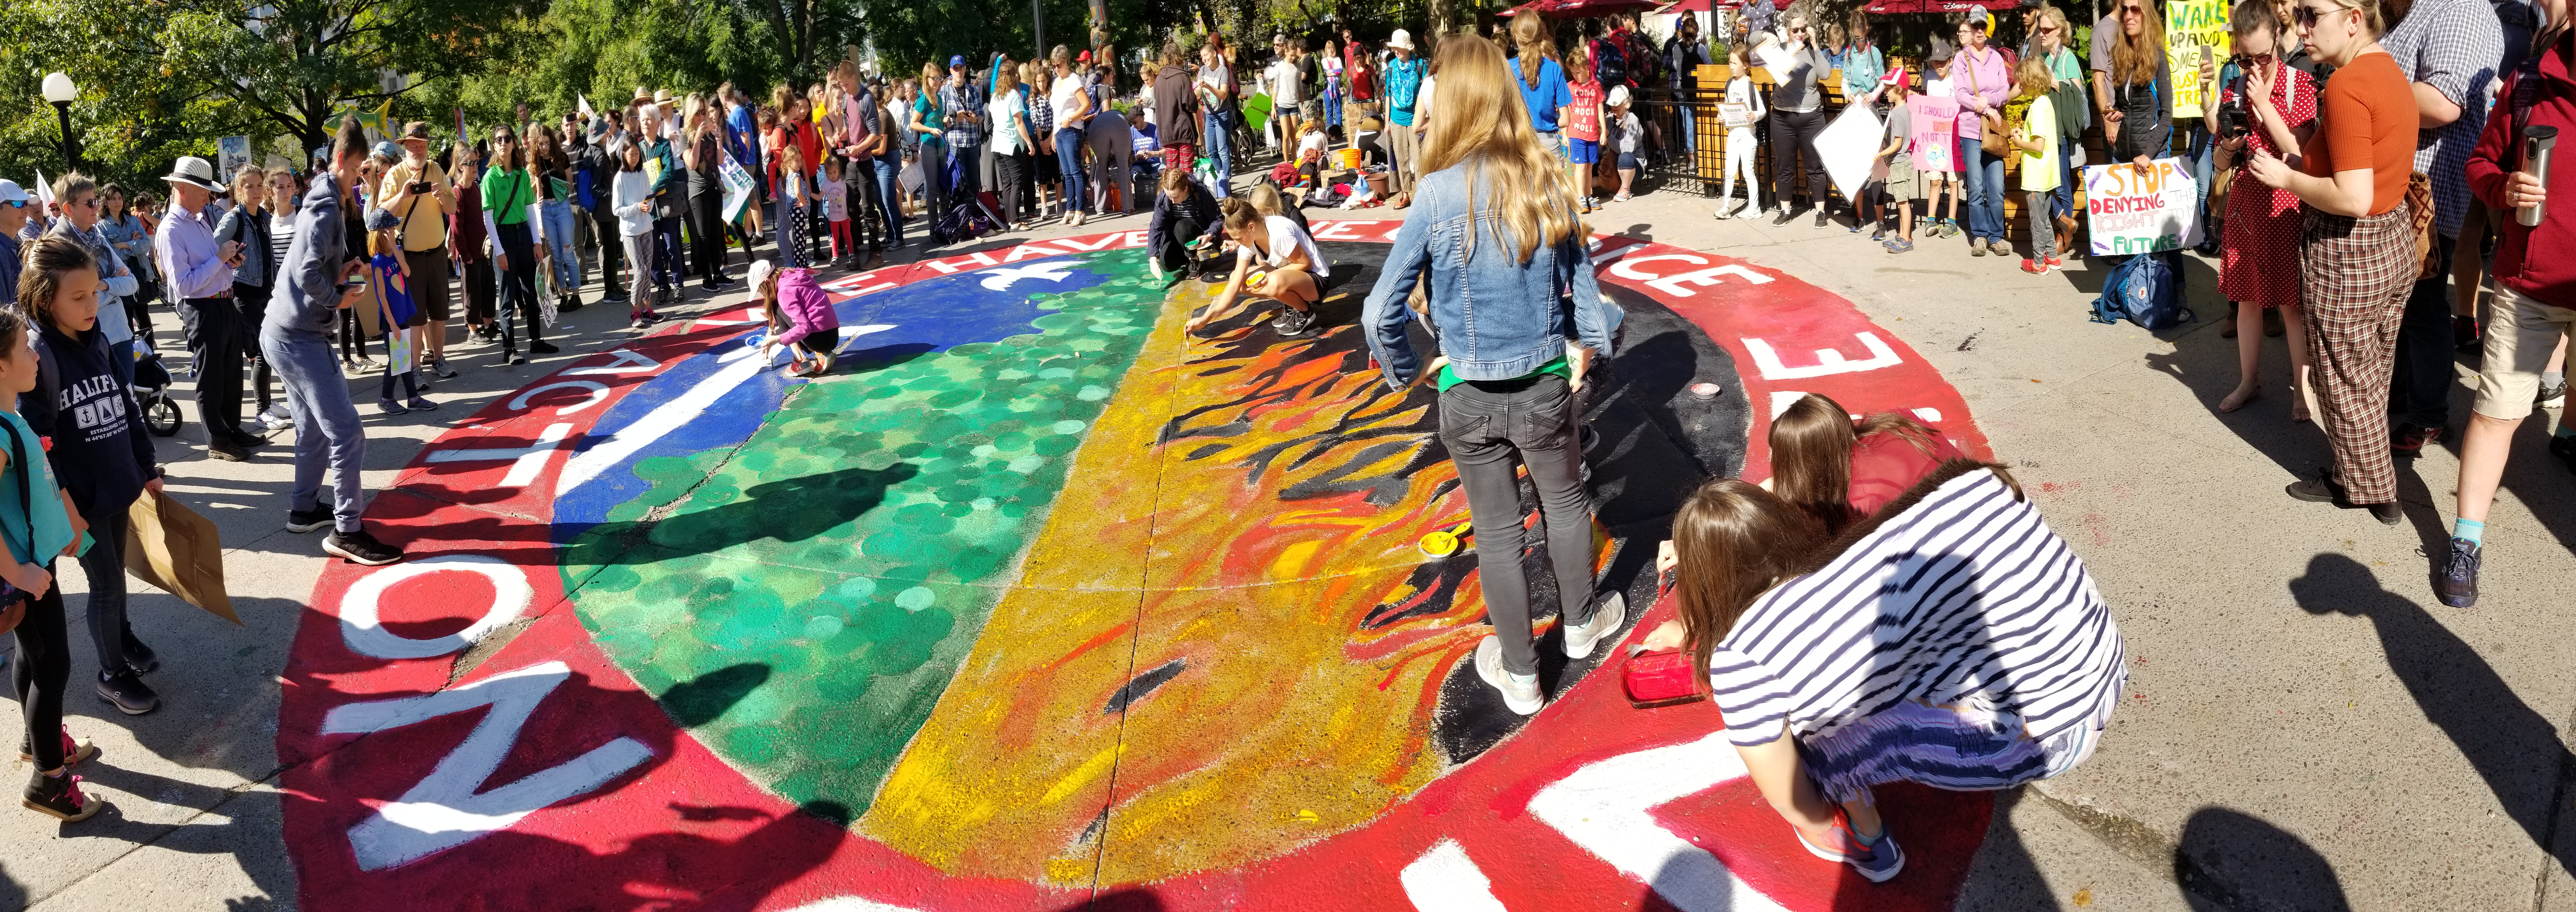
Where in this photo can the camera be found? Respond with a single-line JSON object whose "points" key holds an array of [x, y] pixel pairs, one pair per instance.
{"points": [[2234, 119], [420, 186]]}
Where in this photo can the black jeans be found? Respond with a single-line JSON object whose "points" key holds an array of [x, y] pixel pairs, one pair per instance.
{"points": [[1180, 230], [1487, 428], [518, 285], [671, 268], [43, 669], [213, 328], [2419, 392], [105, 565], [1793, 138], [612, 258]]}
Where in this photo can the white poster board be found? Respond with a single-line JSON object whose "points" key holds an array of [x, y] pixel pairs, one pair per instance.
{"points": [[231, 153], [2141, 211], [1848, 146]]}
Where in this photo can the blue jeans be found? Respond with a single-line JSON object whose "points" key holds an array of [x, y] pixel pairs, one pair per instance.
{"points": [[1068, 161], [887, 173], [327, 432], [1220, 152], [562, 257], [1984, 177], [2064, 202]]}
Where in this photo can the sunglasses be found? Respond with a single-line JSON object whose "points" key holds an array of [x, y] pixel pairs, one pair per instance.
{"points": [[15, 204], [2307, 16]]}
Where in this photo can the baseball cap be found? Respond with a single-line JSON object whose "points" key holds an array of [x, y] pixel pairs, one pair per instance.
{"points": [[760, 270], [10, 192], [1895, 77], [1618, 95], [956, 60]]}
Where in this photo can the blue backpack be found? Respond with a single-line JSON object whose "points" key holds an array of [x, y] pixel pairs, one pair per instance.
{"points": [[2146, 290]]}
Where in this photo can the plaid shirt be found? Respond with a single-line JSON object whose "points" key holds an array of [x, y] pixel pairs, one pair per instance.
{"points": [[1041, 112], [2453, 46], [957, 99]]}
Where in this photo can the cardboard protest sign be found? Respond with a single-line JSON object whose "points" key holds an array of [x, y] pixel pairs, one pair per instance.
{"points": [[2141, 211], [1936, 133], [2191, 25]]}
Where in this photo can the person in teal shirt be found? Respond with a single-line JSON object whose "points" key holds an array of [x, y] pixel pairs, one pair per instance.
{"points": [[37, 521]]}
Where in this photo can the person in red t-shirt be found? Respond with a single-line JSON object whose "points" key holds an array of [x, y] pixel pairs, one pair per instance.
{"points": [[1582, 122], [1841, 472]]}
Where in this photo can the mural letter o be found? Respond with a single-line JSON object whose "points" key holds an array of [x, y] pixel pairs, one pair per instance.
{"points": [[358, 609]]}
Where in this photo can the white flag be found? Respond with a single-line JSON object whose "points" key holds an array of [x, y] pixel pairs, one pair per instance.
{"points": [[586, 112], [45, 193]]}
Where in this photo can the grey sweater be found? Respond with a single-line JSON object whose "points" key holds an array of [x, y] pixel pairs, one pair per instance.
{"points": [[1798, 89], [307, 293]]}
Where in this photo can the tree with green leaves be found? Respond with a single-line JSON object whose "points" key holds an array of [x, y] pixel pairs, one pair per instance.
{"points": [[300, 64]]}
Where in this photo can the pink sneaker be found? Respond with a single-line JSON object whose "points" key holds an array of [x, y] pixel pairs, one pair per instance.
{"points": [[2035, 267], [1878, 862]]}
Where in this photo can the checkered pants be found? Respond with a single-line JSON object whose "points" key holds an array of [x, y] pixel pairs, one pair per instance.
{"points": [[2355, 276]]}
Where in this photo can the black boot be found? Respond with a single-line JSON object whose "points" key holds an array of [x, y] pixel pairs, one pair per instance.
{"points": [[59, 796]]}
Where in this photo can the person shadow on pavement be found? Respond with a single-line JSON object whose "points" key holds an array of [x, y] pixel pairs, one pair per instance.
{"points": [[2515, 748], [2228, 859]]}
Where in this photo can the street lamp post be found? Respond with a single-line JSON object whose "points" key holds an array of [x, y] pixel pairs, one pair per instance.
{"points": [[59, 90]]}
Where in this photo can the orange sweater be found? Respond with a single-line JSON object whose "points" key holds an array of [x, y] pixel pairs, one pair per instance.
{"points": [[2367, 112]]}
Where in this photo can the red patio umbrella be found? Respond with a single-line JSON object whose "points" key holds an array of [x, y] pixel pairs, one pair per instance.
{"points": [[1701, 6], [1590, 9], [1894, 7]]}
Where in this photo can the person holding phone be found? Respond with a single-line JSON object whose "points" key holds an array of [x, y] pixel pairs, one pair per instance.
{"points": [[200, 272], [417, 191]]}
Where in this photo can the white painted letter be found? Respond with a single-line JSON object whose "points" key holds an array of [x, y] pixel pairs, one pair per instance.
{"points": [[1446, 880], [444, 811], [1828, 361], [1603, 808], [358, 607]]}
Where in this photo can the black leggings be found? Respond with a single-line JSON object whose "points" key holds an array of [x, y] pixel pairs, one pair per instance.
{"points": [[1008, 169], [1793, 138], [518, 283], [353, 346], [43, 669], [707, 235]]}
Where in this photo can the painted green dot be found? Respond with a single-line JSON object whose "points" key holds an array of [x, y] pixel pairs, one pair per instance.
{"points": [[1027, 464], [822, 627], [983, 503], [915, 598], [1066, 427], [1093, 393], [1056, 373]]}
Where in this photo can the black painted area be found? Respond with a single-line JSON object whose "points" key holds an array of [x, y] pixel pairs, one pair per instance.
{"points": [[1136, 688]]}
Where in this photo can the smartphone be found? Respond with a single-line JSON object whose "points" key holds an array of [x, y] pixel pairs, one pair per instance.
{"points": [[420, 186]]}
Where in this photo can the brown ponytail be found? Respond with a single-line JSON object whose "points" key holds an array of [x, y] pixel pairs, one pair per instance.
{"points": [[48, 259], [1811, 448], [1733, 541]]}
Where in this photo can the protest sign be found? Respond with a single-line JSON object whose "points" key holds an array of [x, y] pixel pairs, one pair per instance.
{"points": [[1735, 115], [737, 187], [1848, 146], [2141, 211], [1936, 133], [2191, 25], [231, 153]]}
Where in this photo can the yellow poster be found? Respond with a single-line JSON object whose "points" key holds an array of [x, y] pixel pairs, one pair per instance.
{"points": [[2190, 27]]}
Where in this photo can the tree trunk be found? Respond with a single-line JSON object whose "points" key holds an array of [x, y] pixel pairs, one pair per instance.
{"points": [[1443, 12]]}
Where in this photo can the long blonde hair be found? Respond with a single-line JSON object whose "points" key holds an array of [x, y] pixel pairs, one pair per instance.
{"points": [[1483, 125], [2134, 60], [1535, 37]]}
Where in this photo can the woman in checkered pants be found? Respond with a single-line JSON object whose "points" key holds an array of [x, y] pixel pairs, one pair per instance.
{"points": [[2357, 253]]}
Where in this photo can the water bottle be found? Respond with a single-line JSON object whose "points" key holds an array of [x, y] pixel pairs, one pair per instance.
{"points": [[2536, 143]]}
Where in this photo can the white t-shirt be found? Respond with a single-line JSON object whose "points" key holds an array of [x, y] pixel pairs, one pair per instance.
{"points": [[1422, 100], [1284, 236], [1062, 96], [1217, 78], [1938, 88], [1283, 83], [1314, 141]]}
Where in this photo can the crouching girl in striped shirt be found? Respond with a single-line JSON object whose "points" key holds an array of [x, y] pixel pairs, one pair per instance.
{"points": [[1950, 639]]}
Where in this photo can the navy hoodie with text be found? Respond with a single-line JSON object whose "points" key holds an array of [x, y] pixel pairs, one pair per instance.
{"points": [[99, 450]]}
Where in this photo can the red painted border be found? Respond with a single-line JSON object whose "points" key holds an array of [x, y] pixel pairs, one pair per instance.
{"points": [[684, 830]]}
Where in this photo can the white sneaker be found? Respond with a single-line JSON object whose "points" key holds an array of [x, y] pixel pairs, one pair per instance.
{"points": [[1607, 618], [1521, 698]]}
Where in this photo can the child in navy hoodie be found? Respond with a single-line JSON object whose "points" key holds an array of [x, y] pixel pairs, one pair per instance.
{"points": [[94, 436]]}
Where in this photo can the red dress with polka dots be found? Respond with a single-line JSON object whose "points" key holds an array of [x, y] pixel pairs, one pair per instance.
{"points": [[2259, 252]]}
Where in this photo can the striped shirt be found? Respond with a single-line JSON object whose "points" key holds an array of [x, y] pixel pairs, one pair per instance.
{"points": [[1965, 602]]}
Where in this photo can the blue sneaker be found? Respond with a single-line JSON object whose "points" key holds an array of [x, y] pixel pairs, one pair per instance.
{"points": [[1877, 862]]}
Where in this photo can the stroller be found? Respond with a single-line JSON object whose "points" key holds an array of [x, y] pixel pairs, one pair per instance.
{"points": [[152, 391]]}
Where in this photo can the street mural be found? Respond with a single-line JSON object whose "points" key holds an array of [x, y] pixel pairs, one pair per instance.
{"points": [[1037, 604]]}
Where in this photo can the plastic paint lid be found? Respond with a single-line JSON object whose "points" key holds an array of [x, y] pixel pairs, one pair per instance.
{"points": [[1705, 390]]}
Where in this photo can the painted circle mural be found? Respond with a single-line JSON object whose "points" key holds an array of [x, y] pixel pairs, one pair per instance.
{"points": [[1035, 604]]}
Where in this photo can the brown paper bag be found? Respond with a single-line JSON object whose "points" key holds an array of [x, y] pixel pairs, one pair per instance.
{"points": [[170, 546]]}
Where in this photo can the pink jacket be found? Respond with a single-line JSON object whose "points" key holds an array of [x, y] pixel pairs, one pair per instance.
{"points": [[803, 303], [1993, 79]]}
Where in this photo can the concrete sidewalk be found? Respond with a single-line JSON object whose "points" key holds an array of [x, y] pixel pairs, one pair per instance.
{"points": [[2230, 780]]}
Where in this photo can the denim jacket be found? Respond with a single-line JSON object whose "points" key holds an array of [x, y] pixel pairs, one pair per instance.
{"points": [[1496, 319]]}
